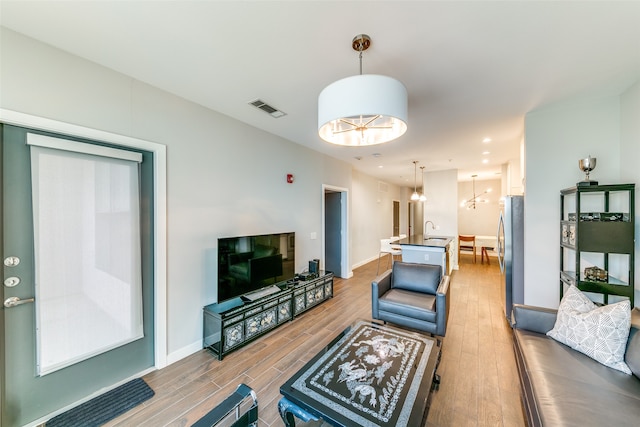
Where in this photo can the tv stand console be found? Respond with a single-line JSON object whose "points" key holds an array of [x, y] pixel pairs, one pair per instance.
{"points": [[236, 322]]}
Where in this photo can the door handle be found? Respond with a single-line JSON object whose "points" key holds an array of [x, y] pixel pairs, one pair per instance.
{"points": [[14, 301]]}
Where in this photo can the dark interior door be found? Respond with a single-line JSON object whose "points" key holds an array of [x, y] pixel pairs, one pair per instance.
{"points": [[396, 218], [333, 232]]}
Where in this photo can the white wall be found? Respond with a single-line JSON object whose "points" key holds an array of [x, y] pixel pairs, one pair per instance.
{"points": [[555, 139], [441, 207], [514, 178], [224, 178], [483, 220], [372, 215], [417, 208]]}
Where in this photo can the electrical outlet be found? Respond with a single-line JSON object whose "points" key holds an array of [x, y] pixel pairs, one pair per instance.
{"points": [[426, 257], [437, 227], [314, 235]]}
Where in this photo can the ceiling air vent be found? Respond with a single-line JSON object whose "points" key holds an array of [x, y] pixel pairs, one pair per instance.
{"points": [[273, 112]]}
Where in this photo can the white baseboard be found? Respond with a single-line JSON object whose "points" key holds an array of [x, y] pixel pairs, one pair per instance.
{"points": [[184, 352], [361, 263]]}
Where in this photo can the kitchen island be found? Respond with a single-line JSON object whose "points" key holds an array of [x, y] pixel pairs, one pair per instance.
{"points": [[428, 250]]}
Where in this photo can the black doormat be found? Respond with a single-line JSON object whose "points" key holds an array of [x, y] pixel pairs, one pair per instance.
{"points": [[105, 407]]}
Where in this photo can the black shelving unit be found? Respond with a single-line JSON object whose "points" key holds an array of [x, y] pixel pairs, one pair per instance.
{"points": [[597, 229]]}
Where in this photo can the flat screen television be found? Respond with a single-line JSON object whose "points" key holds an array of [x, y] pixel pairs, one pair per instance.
{"points": [[248, 263]]}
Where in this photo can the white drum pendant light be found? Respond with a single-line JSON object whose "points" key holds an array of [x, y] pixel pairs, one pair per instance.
{"points": [[362, 110]]}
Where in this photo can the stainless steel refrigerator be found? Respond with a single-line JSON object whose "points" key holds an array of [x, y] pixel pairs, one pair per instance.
{"points": [[511, 252]]}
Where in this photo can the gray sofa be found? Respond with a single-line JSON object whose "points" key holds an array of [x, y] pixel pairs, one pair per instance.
{"points": [[412, 295], [563, 387]]}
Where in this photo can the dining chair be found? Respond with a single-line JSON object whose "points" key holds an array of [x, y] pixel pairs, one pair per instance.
{"points": [[467, 247], [386, 248]]}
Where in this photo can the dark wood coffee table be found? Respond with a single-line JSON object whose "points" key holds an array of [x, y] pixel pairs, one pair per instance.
{"points": [[369, 375]]}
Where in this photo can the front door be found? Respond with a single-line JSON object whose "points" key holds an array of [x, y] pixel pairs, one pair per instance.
{"points": [[29, 392]]}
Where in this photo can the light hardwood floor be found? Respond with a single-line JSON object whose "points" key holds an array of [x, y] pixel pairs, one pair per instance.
{"points": [[479, 380]]}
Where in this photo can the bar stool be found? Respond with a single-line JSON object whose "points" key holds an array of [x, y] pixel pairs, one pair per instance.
{"points": [[386, 248]]}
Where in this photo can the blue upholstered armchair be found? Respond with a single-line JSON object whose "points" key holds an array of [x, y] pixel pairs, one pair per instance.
{"points": [[412, 295]]}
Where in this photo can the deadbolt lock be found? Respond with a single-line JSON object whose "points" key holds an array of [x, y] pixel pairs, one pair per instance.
{"points": [[10, 282], [11, 261]]}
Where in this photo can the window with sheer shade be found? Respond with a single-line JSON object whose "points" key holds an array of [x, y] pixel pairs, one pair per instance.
{"points": [[87, 249]]}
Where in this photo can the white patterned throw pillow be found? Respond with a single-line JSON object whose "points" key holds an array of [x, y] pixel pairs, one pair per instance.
{"points": [[599, 332]]}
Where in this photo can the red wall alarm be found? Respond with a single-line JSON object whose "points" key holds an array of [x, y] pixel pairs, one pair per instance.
{"points": [[290, 178]]}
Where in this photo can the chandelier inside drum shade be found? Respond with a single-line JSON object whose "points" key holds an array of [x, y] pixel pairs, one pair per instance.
{"points": [[366, 109]]}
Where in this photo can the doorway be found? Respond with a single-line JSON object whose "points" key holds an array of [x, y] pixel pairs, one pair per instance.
{"points": [[335, 239], [396, 218], [49, 394]]}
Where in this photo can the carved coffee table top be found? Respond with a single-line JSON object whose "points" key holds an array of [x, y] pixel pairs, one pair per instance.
{"points": [[370, 375]]}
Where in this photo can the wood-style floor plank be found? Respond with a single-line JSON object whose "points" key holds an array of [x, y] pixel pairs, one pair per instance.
{"points": [[479, 378]]}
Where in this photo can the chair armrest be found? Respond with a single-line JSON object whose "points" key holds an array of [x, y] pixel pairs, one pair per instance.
{"points": [[379, 286], [230, 408], [443, 301], [443, 286], [382, 283], [534, 319]]}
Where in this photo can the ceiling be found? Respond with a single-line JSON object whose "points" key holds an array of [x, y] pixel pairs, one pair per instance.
{"points": [[472, 69]]}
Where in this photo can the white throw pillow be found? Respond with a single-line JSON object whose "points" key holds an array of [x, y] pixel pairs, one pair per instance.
{"points": [[599, 332]]}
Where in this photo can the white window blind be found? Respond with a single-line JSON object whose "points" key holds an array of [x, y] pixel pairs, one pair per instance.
{"points": [[87, 249]]}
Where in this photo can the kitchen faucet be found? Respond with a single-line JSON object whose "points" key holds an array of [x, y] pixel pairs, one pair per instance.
{"points": [[433, 227]]}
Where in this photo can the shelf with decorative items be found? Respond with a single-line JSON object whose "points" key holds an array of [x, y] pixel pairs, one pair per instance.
{"points": [[597, 227], [233, 323]]}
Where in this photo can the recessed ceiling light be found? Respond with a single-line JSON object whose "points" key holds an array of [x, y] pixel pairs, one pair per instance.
{"points": [[485, 161], [380, 167], [486, 140], [484, 153]]}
